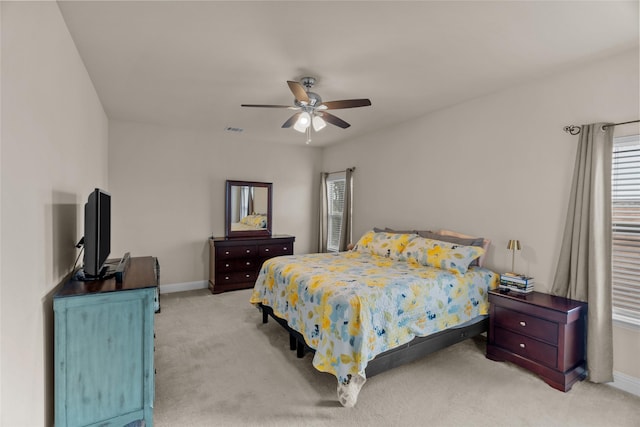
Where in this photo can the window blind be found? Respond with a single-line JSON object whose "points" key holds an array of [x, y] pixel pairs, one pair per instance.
{"points": [[335, 207], [625, 216]]}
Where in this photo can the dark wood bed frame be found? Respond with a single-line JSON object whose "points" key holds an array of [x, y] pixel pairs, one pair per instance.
{"points": [[413, 350]]}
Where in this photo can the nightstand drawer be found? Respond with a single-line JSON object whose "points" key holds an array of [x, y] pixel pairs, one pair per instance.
{"points": [[527, 347], [527, 325]]}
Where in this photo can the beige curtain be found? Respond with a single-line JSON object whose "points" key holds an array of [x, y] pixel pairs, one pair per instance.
{"points": [[251, 210], [345, 229], [322, 229], [584, 266]]}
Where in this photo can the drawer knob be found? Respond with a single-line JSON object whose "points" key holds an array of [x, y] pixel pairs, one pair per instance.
{"points": [[226, 252], [266, 249], [248, 262], [285, 248], [522, 345], [226, 265], [247, 275], [523, 323], [226, 277]]}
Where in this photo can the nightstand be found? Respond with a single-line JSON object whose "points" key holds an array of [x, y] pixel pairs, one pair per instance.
{"points": [[539, 332]]}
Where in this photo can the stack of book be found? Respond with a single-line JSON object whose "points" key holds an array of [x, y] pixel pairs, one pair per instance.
{"points": [[516, 283]]}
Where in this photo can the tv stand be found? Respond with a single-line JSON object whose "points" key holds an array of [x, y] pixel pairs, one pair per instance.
{"points": [[103, 348]]}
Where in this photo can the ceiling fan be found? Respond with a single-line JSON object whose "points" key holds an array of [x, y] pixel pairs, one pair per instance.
{"points": [[312, 111]]}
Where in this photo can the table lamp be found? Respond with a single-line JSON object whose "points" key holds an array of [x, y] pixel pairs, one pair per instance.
{"points": [[513, 246]]}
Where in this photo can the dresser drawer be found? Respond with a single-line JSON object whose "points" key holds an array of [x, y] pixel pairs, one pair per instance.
{"points": [[236, 251], [275, 249], [527, 347], [526, 325], [236, 277], [238, 264]]}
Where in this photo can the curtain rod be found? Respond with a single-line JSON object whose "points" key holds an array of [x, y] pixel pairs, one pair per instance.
{"points": [[352, 169], [574, 130], [623, 123]]}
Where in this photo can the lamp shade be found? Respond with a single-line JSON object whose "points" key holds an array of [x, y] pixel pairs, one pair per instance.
{"points": [[513, 245], [303, 122], [318, 123]]}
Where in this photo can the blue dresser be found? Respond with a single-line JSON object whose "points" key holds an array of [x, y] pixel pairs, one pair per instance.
{"points": [[104, 343]]}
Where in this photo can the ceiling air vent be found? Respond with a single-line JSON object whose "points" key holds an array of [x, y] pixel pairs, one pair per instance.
{"points": [[232, 129]]}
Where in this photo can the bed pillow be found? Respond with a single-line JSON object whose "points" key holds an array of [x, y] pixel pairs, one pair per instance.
{"points": [[390, 230], [444, 255], [389, 245], [485, 242], [465, 241]]}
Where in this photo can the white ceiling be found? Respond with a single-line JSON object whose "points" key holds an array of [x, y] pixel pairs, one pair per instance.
{"points": [[191, 64]]}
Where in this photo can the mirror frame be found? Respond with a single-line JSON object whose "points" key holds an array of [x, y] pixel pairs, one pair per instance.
{"points": [[227, 220]]}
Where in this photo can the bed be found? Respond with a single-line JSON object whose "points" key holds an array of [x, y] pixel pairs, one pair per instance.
{"points": [[392, 299], [250, 222]]}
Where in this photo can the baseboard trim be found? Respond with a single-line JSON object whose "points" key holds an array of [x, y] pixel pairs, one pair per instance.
{"points": [[626, 383], [181, 287]]}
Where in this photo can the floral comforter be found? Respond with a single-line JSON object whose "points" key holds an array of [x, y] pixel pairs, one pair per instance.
{"points": [[352, 306]]}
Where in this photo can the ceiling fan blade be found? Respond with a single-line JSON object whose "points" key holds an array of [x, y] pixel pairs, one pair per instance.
{"points": [[346, 103], [298, 91], [269, 106], [291, 120], [330, 118]]}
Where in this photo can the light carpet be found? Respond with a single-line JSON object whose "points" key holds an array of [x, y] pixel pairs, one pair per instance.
{"points": [[218, 365]]}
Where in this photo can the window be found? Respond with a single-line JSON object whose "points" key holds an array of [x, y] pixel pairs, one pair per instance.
{"points": [[625, 210], [335, 208]]}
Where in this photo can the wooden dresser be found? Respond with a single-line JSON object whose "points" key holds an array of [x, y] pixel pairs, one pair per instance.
{"points": [[235, 263], [103, 348], [542, 333]]}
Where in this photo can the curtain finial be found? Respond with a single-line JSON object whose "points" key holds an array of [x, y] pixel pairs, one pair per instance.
{"points": [[572, 129]]}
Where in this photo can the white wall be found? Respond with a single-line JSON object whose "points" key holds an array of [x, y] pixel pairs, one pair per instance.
{"points": [[168, 192], [499, 167], [54, 151]]}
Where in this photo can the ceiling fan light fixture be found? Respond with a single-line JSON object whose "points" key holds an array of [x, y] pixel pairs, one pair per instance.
{"points": [[311, 109], [318, 123], [303, 122]]}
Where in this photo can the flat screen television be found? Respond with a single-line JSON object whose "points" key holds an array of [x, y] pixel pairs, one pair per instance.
{"points": [[97, 233]]}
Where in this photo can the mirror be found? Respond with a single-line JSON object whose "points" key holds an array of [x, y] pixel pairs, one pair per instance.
{"points": [[248, 209]]}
